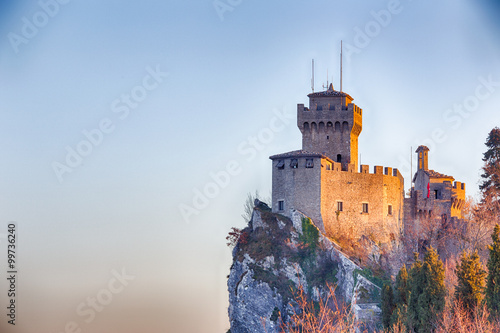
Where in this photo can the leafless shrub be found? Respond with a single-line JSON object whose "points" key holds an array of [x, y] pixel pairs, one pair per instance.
{"points": [[326, 316]]}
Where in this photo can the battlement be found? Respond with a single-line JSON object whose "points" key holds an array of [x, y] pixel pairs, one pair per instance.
{"points": [[380, 170], [323, 179], [354, 108], [331, 125], [351, 107], [302, 159]]}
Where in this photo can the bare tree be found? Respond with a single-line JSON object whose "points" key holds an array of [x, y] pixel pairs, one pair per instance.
{"points": [[249, 204]]}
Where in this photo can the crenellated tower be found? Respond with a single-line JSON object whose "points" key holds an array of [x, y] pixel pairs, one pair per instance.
{"points": [[324, 180], [331, 126]]}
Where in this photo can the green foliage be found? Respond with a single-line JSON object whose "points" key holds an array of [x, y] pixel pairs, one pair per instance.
{"points": [[427, 292], [471, 275], [322, 273], [398, 313], [401, 291], [264, 242], [493, 280], [491, 169], [400, 316], [388, 305], [377, 279], [275, 315], [310, 235], [372, 296], [318, 271], [272, 240], [280, 283], [363, 295], [490, 185]]}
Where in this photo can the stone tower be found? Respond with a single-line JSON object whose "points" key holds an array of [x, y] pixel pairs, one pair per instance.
{"points": [[423, 157], [331, 126]]}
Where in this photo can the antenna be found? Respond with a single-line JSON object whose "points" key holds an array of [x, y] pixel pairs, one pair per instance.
{"points": [[340, 65], [411, 167], [326, 87], [312, 79]]}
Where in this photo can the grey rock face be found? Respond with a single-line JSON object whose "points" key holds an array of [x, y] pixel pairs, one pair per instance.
{"points": [[271, 258], [251, 302]]}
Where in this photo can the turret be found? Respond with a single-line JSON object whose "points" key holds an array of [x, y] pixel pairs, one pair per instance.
{"points": [[423, 157], [331, 125]]}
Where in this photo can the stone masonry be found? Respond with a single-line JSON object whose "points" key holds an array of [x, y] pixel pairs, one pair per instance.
{"points": [[434, 195], [322, 180]]}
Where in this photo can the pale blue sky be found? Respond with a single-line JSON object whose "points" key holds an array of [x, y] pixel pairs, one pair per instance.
{"points": [[228, 76]]}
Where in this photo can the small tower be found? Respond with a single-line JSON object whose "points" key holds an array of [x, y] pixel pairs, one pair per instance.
{"points": [[423, 158], [331, 125]]}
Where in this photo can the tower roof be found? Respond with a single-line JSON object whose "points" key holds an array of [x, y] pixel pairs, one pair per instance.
{"points": [[422, 148], [298, 154], [435, 174], [330, 93]]}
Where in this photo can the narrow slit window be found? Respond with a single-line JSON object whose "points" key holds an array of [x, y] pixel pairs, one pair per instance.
{"points": [[340, 206], [281, 205], [365, 208], [389, 210]]}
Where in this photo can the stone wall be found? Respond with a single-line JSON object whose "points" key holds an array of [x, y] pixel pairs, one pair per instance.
{"points": [[317, 189], [331, 126], [298, 188], [378, 190]]}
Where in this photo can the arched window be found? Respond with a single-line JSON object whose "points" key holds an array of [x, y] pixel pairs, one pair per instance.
{"points": [[339, 158], [306, 126], [337, 126], [345, 126]]}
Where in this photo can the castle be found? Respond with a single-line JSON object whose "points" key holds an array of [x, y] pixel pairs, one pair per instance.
{"points": [[323, 179]]}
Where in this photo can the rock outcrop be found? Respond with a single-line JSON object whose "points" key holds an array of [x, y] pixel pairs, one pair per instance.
{"points": [[274, 256]]}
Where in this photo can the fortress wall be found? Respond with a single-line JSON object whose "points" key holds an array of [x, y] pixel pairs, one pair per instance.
{"points": [[458, 199], [376, 189], [419, 208], [299, 188], [396, 173], [459, 190]]}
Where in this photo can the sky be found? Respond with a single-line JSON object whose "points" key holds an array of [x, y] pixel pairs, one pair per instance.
{"points": [[131, 134]]}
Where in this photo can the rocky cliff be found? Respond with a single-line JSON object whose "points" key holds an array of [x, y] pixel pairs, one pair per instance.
{"points": [[274, 256]]}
